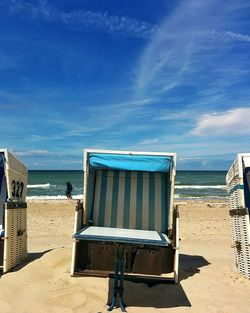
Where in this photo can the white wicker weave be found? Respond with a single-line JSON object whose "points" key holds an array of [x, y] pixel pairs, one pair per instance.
{"points": [[15, 212], [239, 215], [15, 245]]}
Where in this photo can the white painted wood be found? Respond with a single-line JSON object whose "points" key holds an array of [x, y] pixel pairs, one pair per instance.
{"points": [[14, 169], [246, 161], [121, 233], [88, 151], [176, 255]]}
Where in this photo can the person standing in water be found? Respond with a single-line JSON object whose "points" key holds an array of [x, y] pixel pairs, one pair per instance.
{"points": [[69, 190]]}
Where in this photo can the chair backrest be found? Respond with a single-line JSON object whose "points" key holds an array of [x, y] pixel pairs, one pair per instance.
{"points": [[246, 180], [131, 199], [3, 189]]}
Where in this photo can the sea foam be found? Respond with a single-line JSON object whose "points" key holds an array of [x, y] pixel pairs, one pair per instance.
{"points": [[43, 186], [55, 197], [200, 187]]}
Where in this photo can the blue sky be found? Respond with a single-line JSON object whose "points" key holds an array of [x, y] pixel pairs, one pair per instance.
{"points": [[146, 75]]}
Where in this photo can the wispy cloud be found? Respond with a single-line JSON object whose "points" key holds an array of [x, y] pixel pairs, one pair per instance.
{"points": [[197, 38], [175, 115], [189, 159], [37, 152], [222, 36], [38, 138], [149, 141], [234, 122], [82, 19], [71, 162]]}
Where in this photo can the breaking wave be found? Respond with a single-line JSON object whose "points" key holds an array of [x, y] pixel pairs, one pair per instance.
{"points": [[42, 186]]}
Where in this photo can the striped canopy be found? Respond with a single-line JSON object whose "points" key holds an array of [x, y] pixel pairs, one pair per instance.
{"points": [[130, 162]]}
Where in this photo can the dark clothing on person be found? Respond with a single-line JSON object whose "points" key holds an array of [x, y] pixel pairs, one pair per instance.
{"points": [[69, 190]]}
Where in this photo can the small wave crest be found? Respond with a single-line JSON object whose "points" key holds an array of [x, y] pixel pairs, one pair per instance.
{"points": [[43, 186], [201, 187], [206, 197], [55, 197]]}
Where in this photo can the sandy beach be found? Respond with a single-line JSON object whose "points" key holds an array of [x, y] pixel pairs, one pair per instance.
{"points": [[208, 281]]}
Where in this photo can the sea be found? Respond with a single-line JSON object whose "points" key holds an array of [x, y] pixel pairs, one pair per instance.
{"points": [[51, 184]]}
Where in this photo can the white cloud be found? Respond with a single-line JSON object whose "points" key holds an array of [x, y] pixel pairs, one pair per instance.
{"points": [[83, 19], [31, 152], [180, 115], [71, 162], [234, 122], [149, 141], [189, 159], [38, 137], [222, 36]]}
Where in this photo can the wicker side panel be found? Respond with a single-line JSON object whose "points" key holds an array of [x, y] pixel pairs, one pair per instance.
{"points": [[240, 236], [236, 193], [13, 162], [234, 172], [239, 218], [17, 178], [15, 243], [16, 185]]}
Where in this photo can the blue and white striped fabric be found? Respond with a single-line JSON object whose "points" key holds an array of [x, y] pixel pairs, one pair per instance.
{"points": [[246, 179], [3, 189], [131, 199]]}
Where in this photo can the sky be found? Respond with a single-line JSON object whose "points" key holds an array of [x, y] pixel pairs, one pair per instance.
{"points": [[145, 75]]}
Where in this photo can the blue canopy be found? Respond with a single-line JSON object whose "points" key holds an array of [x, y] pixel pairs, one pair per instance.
{"points": [[130, 162]]}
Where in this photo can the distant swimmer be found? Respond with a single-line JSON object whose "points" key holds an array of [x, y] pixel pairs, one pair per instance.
{"points": [[69, 190]]}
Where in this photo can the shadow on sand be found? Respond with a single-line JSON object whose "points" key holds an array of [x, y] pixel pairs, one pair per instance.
{"points": [[190, 265], [31, 257], [160, 294]]}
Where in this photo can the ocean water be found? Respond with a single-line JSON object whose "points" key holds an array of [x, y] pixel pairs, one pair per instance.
{"points": [[188, 184]]}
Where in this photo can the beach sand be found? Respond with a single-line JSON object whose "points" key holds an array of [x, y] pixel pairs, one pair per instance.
{"points": [[208, 281]]}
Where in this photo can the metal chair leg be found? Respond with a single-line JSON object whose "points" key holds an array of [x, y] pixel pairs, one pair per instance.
{"points": [[119, 278]]}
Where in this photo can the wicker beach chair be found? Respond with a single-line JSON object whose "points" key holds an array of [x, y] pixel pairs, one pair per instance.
{"points": [[13, 211], [238, 184], [128, 190]]}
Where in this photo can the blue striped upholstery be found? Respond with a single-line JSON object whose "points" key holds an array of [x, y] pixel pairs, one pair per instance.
{"points": [[246, 180], [3, 188], [127, 199]]}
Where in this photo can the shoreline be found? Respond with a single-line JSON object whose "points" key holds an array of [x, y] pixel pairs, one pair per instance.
{"points": [[176, 201]]}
